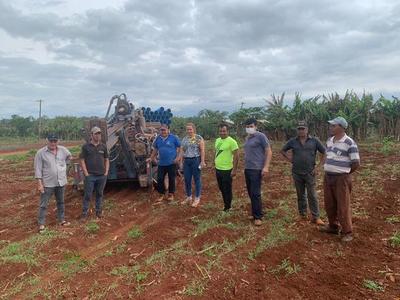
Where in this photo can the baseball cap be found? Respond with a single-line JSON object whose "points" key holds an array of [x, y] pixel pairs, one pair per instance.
{"points": [[95, 129], [339, 121], [302, 124], [52, 137]]}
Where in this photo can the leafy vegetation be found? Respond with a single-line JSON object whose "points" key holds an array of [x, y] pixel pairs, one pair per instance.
{"points": [[135, 232], [395, 239], [373, 285], [92, 227], [286, 267], [366, 116], [73, 263]]}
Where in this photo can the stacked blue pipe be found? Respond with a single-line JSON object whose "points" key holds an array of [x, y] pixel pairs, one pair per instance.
{"points": [[161, 115]]}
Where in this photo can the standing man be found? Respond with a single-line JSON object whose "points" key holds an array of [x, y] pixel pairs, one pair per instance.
{"points": [[304, 149], [95, 165], [342, 160], [167, 147], [257, 158], [51, 173], [226, 163]]}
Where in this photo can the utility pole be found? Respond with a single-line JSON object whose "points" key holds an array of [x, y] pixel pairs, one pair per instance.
{"points": [[241, 105], [40, 118]]}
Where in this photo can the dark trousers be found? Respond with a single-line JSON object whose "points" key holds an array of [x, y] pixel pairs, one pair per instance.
{"points": [[161, 172], [96, 183], [337, 190], [45, 197], [224, 180], [191, 170], [305, 188], [253, 184]]}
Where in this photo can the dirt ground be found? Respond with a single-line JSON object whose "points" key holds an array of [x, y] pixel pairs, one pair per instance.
{"points": [[170, 251]]}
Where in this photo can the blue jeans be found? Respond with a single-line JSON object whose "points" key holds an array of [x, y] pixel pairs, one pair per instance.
{"points": [[96, 183], [191, 170], [253, 184], [58, 191], [305, 183]]}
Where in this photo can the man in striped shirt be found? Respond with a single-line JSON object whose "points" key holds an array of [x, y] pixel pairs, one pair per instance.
{"points": [[341, 161]]}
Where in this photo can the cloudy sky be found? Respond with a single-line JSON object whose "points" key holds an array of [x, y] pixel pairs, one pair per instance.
{"points": [[191, 54]]}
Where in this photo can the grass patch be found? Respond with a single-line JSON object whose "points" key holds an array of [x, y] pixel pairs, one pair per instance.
{"points": [[286, 267], [73, 263], [277, 236], [25, 282], [130, 274], [135, 232], [195, 288], [92, 227], [394, 240], [27, 251], [206, 224], [393, 219], [373, 285]]}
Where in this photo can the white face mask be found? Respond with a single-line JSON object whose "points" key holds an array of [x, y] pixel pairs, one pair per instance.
{"points": [[251, 130]]}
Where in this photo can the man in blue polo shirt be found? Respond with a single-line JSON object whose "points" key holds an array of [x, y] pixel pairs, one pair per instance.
{"points": [[167, 147]]}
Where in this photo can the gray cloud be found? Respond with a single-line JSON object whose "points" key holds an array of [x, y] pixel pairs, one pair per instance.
{"points": [[196, 54]]}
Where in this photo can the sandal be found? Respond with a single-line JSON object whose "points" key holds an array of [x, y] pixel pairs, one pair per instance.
{"points": [[41, 228], [65, 223]]}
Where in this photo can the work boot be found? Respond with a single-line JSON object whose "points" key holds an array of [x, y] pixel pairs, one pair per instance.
{"points": [[317, 221], [257, 222], [329, 229], [348, 237]]}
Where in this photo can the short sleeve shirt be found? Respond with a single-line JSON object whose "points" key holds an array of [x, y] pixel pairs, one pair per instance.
{"points": [[340, 155], [224, 149], [167, 149], [191, 146], [254, 151], [94, 157], [304, 156]]}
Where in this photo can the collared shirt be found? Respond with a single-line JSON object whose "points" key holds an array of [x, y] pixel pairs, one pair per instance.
{"points": [[94, 156], [254, 151], [50, 167], [304, 156], [167, 149], [340, 155]]}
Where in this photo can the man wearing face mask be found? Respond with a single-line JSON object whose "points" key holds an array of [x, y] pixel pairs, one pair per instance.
{"points": [[257, 157]]}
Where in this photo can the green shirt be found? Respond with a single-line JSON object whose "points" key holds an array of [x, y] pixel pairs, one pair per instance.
{"points": [[224, 153]]}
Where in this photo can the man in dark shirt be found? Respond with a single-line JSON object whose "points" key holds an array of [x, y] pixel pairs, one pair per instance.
{"points": [[95, 165], [304, 149]]}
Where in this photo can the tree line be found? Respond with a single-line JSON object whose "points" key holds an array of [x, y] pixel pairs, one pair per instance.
{"points": [[367, 118]]}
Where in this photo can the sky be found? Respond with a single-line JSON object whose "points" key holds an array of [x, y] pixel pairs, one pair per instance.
{"points": [[189, 55]]}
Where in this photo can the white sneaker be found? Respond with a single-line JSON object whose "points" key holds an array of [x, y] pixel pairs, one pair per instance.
{"points": [[196, 202], [187, 200]]}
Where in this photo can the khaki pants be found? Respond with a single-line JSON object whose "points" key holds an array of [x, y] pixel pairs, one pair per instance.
{"points": [[337, 190]]}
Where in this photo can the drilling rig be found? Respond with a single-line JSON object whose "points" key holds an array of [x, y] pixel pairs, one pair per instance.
{"points": [[128, 134]]}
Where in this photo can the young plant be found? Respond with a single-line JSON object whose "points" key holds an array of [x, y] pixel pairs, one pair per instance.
{"points": [[373, 285], [92, 227]]}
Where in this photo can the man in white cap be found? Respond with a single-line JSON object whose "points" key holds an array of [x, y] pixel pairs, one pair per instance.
{"points": [[342, 160], [95, 165]]}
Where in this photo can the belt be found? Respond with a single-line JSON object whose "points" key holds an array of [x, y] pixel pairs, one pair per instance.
{"points": [[336, 174], [191, 157]]}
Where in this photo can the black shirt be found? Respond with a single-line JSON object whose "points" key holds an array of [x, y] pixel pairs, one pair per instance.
{"points": [[94, 158], [304, 155]]}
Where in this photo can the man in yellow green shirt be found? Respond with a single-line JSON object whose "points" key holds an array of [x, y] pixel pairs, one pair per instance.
{"points": [[226, 163]]}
